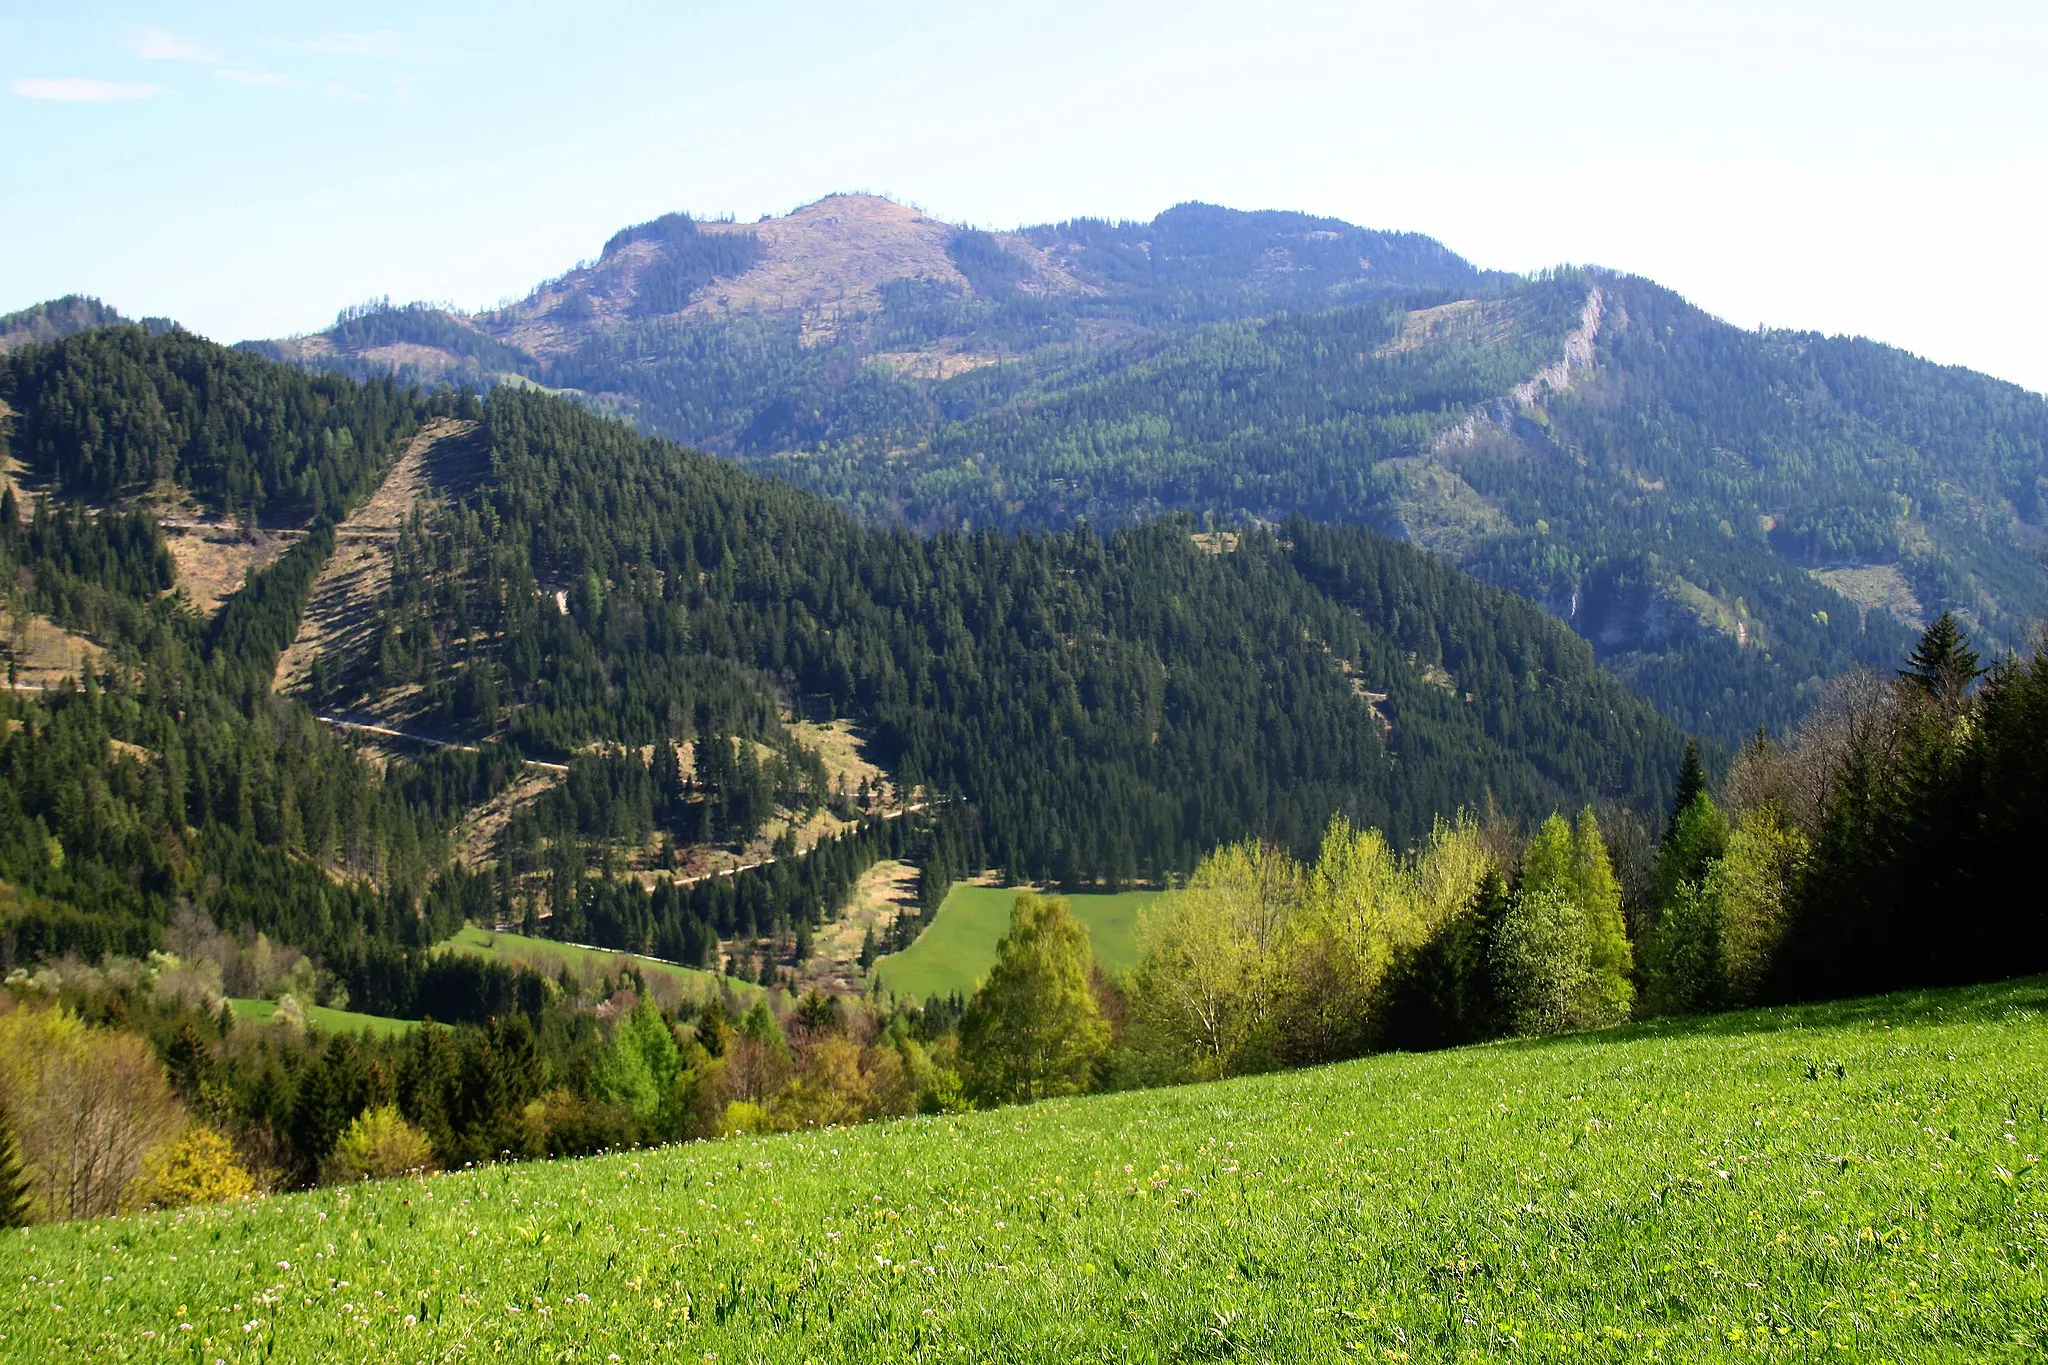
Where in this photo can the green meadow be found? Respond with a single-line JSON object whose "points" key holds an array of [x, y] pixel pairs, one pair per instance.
{"points": [[959, 946], [322, 1018], [546, 956], [543, 955], [1856, 1181]]}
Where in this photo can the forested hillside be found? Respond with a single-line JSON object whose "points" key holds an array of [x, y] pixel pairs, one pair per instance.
{"points": [[1728, 516], [119, 410], [1106, 705], [1097, 708]]}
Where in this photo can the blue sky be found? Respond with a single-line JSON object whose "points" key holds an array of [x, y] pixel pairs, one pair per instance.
{"points": [[1868, 167]]}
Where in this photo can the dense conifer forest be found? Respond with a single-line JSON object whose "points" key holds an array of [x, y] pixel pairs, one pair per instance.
{"points": [[1095, 698], [1106, 708]]}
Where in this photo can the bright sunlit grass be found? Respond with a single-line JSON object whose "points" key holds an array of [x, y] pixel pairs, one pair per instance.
{"points": [[959, 946], [324, 1018], [1855, 1182], [545, 956]]}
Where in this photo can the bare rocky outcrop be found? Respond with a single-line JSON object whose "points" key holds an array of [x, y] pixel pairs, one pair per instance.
{"points": [[826, 262], [1577, 359]]}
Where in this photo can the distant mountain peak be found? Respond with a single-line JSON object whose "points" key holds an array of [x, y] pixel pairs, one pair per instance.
{"points": [[832, 257], [55, 319], [918, 294]]}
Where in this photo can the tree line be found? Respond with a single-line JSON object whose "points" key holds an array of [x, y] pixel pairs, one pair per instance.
{"points": [[1887, 845], [1812, 871]]}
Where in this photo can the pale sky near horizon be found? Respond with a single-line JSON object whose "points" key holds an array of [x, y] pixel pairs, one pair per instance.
{"points": [[1869, 167]]}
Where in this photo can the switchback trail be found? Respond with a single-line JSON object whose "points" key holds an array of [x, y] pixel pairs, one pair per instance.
{"points": [[429, 741]]}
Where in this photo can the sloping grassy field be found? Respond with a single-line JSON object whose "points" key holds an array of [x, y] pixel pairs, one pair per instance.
{"points": [[1849, 1182], [959, 946], [544, 955], [325, 1018]]}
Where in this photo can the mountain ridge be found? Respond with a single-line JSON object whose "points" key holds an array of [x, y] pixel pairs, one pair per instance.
{"points": [[1730, 517], [829, 261]]}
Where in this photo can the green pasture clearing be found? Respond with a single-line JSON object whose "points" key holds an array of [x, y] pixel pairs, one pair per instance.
{"points": [[324, 1019], [959, 946], [1857, 1181], [546, 954]]}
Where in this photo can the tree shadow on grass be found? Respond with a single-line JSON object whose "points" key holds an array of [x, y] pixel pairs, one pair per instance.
{"points": [[1987, 1003]]}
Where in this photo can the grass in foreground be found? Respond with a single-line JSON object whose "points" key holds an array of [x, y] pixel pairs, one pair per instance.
{"points": [[1852, 1182], [959, 946], [325, 1019], [545, 955]]}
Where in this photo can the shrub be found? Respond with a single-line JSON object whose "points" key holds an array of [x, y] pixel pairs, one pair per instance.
{"points": [[198, 1168], [742, 1117], [290, 1014], [86, 1104], [1542, 958], [831, 1088], [379, 1144], [564, 1123]]}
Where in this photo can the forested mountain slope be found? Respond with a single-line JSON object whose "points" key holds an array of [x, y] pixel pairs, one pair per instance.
{"points": [[1097, 708], [614, 652], [834, 321], [1105, 703], [1729, 516]]}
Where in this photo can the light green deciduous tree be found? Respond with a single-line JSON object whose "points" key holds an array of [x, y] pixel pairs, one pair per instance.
{"points": [[1034, 1028], [638, 1068]]}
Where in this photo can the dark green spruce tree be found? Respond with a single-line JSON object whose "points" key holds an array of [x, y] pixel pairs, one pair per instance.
{"points": [[1692, 780], [1943, 665]]}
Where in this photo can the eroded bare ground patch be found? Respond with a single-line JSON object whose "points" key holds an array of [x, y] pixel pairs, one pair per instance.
{"points": [[341, 611], [847, 754], [214, 557], [39, 654], [35, 651], [933, 362], [476, 838], [1877, 587], [886, 890]]}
